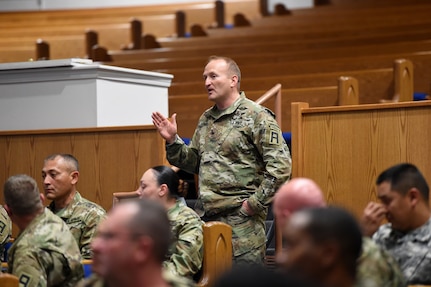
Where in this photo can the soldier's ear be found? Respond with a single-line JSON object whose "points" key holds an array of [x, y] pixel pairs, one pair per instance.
{"points": [[42, 197], [74, 175], [163, 190], [414, 196], [234, 81]]}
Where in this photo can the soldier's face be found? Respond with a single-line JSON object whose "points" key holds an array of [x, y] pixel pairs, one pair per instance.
{"points": [[300, 254], [58, 179], [114, 246], [149, 187], [218, 80], [397, 206]]}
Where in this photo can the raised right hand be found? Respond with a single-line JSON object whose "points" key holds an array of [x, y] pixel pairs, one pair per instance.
{"points": [[167, 128], [372, 218]]}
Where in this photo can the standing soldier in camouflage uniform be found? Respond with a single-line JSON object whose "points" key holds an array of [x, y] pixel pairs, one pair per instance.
{"points": [[60, 175], [162, 184], [130, 247], [404, 196], [375, 267], [240, 155], [45, 252], [5, 231]]}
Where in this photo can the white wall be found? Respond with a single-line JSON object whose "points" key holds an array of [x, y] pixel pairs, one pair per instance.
{"points": [[17, 5]]}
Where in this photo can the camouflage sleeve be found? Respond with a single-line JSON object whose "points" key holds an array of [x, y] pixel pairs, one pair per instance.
{"points": [[186, 259], [40, 267], [30, 268], [376, 267], [183, 156], [91, 222], [5, 230], [276, 157]]}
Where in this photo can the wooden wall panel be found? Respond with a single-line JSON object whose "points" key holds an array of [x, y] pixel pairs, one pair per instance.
{"points": [[344, 149], [111, 159]]}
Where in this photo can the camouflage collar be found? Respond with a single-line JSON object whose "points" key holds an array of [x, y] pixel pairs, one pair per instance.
{"points": [[215, 113]]}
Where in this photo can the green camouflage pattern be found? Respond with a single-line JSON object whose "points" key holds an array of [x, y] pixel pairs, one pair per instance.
{"points": [[82, 216], [377, 268], [5, 230], [248, 235], [410, 249], [178, 281], [45, 254], [186, 252], [239, 154]]}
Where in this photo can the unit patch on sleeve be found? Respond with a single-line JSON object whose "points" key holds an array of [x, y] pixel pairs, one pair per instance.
{"points": [[24, 280], [274, 135]]}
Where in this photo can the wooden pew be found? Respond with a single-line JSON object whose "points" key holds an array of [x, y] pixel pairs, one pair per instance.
{"points": [[71, 23], [112, 24], [375, 84], [217, 257], [191, 74], [8, 280], [392, 84], [344, 148], [277, 50]]}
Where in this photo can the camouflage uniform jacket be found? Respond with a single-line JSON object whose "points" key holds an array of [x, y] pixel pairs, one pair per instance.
{"points": [[185, 254], [239, 154], [173, 281], [377, 268], [46, 254], [5, 230], [82, 216], [412, 250]]}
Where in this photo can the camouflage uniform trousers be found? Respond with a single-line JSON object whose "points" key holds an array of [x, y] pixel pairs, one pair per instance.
{"points": [[248, 235]]}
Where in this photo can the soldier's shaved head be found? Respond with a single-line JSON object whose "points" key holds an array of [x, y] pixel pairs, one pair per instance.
{"points": [[294, 195]]}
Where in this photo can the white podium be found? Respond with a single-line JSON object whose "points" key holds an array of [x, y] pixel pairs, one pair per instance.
{"points": [[77, 93]]}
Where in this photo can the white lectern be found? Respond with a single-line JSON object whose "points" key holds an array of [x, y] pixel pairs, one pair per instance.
{"points": [[77, 93]]}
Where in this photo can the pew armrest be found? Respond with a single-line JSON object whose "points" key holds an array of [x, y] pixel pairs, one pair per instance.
{"points": [[8, 280], [118, 196], [217, 251]]}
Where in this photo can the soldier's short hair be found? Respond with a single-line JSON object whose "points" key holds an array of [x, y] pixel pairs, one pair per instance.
{"points": [[71, 161], [233, 67], [404, 176], [22, 195], [151, 220]]}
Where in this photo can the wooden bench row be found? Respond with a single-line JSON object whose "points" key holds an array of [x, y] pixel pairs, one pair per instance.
{"points": [[373, 86], [65, 30], [117, 33]]}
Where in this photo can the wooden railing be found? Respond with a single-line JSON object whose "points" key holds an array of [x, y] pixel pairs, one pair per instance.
{"points": [[273, 92]]}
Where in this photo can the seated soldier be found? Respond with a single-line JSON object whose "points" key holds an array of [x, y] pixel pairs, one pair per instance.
{"points": [[322, 244], [60, 175], [45, 252], [162, 184], [404, 195], [130, 247], [376, 267]]}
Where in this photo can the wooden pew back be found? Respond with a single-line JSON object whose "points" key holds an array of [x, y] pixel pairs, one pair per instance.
{"points": [[110, 159], [345, 148]]}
